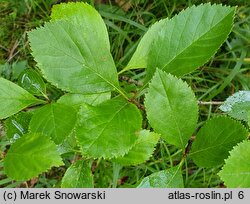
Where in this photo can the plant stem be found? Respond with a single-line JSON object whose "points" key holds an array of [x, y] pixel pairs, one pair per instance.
{"points": [[130, 81], [116, 172], [45, 96], [210, 102]]}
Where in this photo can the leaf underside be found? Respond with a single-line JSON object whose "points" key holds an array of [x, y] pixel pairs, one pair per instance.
{"points": [[74, 54], [141, 151], [236, 171], [78, 175], [13, 98], [237, 105], [170, 178], [31, 155], [109, 129], [215, 139], [171, 108], [54, 120]]}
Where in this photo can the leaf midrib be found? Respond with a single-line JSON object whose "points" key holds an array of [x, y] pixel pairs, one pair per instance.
{"points": [[217, 145], [194, 41], [81, 63], [175, 119]]}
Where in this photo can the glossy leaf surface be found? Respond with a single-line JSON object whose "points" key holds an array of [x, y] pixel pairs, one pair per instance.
{"points": [[31, 81], [170, 178], [237, 105], [17, 125], [13, 98]]}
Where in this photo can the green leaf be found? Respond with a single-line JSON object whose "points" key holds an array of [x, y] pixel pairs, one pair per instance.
{"points": [[13, 98], [237, 105], [55, 120], [31, 155], [86, 14], [2, 67], [171, 108], [108, 130], [141, 151], [139, 58], [75, 54], [170, 178], [6, 70], [190, 39], [31, 81], [78, 175], [215, 139], [17, 125], [68, 145], [18, 68], [236, 171], [76, 100]]}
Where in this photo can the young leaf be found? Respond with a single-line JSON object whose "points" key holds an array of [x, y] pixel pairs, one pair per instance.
{"points": [[13, 98], [170, 178], [31, 155], [17, 125], [54, 120], [141, 151], [189, 39], [108, 130], [74, 54], [31, 81], [236, 171], [215, 139], [139, 58], [237, 105], [76, 100], [78, 175], [171, 108]]}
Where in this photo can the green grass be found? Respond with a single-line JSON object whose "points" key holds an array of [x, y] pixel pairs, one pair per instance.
{"points": [[226, 73]]}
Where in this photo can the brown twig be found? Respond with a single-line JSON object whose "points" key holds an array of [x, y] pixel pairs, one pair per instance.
{"points": [[4, 48], [188, 147], [210, 102], [140, 106], [11, 53], [130, 81]]}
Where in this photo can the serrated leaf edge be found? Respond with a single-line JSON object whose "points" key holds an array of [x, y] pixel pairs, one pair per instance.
{"points": [[148, 155], [46, 170], [192, 7], [231, 152], [179, 81], [104, 156], [224, 117]]}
